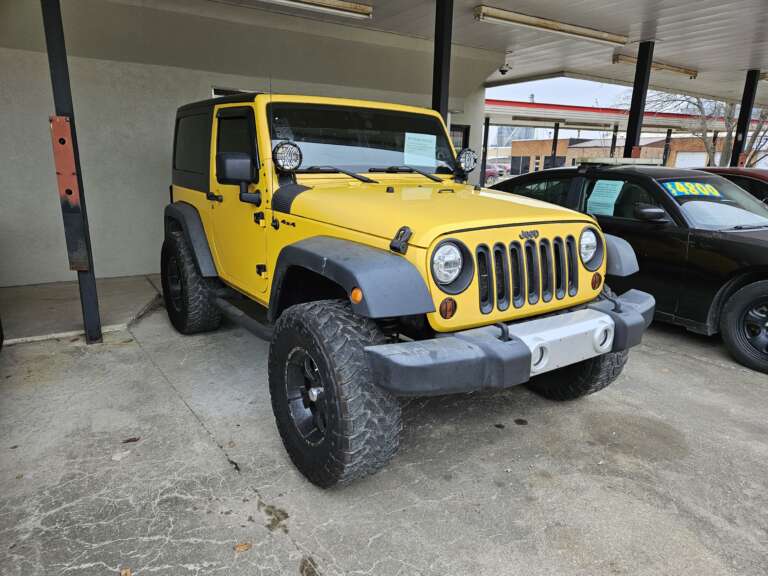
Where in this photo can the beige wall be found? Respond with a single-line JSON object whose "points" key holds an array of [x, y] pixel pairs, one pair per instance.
{"points": [[125, 106]]}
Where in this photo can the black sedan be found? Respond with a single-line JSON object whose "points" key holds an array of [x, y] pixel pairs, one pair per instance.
{"points": [[701, 242]]}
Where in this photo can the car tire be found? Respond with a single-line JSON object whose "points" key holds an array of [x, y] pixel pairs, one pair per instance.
{"points": [[744, 325], [352, 427], [580, 379], [188, 296]]}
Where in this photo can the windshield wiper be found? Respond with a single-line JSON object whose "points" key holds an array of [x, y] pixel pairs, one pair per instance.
{"points": [[747, 227], [404, 168], [334, 169]]}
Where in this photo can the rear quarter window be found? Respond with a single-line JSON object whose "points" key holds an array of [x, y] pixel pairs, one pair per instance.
{"points": [[192, 144]]}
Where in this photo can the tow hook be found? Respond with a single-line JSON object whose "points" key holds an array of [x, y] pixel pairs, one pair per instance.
{"points": [[615, 301], [505, 337]]}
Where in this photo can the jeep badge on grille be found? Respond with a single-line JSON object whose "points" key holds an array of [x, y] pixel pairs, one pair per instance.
{"points": [[529, 234]]}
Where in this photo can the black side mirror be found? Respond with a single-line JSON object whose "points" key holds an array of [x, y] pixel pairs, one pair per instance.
{"points": [[650, 213], [234, 168], [238, 168]]}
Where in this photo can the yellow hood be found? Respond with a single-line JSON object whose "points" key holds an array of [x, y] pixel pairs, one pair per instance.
{"points": [[429, 209]]}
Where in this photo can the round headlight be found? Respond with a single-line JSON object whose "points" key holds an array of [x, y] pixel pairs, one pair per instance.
{"points": [[447, 262], [590, 249], [287, 156], [467, 160]]}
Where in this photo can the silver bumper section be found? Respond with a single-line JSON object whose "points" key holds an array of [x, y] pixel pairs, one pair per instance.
{"points": [[492, 357]]}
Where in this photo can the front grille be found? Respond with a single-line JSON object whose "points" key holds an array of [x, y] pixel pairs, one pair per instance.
{"points": [[526, 272]]}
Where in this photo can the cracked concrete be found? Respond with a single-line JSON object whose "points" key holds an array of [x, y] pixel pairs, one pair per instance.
{"points": [[158, 452]]}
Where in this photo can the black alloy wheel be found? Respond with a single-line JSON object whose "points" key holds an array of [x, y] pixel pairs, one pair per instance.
{"points": [[306, 396]]}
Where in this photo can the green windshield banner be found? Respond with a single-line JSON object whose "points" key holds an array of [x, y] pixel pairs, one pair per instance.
{"points": [[685, 188]]}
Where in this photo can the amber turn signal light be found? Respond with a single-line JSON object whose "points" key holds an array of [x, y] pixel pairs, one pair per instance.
{"points": [[448, 308], [596, 280], [356, 295]]}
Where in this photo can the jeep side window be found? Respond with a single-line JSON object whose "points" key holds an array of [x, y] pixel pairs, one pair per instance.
{"points": [[618, 198], [192, 141], [236, 134], [554, 191]]}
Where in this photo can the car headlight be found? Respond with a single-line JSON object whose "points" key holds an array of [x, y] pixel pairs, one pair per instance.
{"points": [[447, 263], [590, 249]]}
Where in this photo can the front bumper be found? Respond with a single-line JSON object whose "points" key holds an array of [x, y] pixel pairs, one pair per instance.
{"points": [[482, 358]]}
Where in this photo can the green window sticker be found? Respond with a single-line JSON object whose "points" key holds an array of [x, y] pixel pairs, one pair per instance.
{"points": [[685, 188], [420, 149], [603, 198]]}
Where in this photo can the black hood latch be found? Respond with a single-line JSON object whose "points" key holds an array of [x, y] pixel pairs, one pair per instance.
{"points": [[399, 243]]}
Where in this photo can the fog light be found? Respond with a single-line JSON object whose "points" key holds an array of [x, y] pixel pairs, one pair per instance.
{"points": [[448, 308], [596, 280], [356, 295]]}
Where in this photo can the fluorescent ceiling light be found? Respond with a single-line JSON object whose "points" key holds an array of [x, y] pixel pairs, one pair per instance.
{"points": [[659, 66], [498, 16], [333, 7]]}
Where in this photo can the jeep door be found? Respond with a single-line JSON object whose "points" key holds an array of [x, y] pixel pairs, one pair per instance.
{"points": [[661, 246], [240, 232]]}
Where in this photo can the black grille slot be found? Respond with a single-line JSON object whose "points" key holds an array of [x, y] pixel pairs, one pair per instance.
{"points": [[573, 266], [501, 275], [484, 283], [532, 271], [545, 257], [518, 274], [558, 251]]}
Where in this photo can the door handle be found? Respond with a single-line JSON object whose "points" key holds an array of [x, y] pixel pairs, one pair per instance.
{"points": [[214, 197]]}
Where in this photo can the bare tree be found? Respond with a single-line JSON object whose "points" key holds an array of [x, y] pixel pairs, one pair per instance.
{"points": [[709, 113]]}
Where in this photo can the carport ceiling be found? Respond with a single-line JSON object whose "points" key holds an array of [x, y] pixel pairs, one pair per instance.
{"points": [[721, 39]]}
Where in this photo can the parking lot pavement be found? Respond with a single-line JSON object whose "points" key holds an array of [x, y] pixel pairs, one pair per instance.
{"points": [[158, 452]]}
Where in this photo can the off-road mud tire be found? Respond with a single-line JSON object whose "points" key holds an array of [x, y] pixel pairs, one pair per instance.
{"points": [[363, 423], [580, 379], [190, 301]]}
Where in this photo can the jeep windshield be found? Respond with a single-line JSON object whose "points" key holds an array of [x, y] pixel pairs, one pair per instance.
{"points": [[714, 203], [362, 139]]}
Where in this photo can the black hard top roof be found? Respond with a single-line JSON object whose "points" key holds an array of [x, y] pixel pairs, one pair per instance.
{"points": [[211, 102], [656, 172]]}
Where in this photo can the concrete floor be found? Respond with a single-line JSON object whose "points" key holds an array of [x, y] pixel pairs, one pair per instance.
{"points": [[46, 311], [158, 452]]}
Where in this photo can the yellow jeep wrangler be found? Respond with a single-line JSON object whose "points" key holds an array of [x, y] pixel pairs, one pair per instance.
{"points": [[377, 271]]}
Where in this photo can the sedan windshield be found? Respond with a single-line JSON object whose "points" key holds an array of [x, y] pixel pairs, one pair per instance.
{"points": [[714, 203], [362, 139]]}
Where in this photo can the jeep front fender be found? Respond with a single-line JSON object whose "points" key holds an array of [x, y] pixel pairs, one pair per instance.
{"points": [[391, 285]]}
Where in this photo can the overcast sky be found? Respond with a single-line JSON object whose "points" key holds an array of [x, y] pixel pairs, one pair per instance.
{"points": [[562, 91]]}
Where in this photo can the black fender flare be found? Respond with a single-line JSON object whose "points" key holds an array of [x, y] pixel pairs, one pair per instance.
{"points": [[622, 260], [185, 216], [392, 286]]}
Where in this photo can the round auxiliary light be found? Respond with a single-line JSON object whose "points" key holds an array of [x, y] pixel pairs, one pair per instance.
{"points": [[447, 262], [590, 249], [287, 156], [467, 160]]}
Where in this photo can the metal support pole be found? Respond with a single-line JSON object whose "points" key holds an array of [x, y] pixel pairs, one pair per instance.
{"points": [[69, 173], [613, 139], [745, 116], [441, 71], [484, 160], [555, 135], [667, 142], [712, 160], [639, 92]]}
